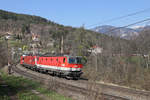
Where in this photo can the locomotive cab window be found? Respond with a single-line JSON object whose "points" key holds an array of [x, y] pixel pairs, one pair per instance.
{"points": [[75, 60]]}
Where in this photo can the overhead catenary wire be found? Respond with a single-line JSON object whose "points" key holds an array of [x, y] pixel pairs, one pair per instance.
{"points": [[146, 24], [138, 22], [120, 17]]}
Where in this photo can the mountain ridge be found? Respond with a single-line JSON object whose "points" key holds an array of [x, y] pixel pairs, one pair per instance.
{"points": [[125, 33]]}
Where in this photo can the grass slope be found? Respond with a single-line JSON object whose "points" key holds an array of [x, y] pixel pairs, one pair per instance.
{"points": [[19, 88]]}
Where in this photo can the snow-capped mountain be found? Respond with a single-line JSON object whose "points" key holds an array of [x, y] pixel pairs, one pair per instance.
{"points": [[136, 27], [141, 28], [125, 33]]}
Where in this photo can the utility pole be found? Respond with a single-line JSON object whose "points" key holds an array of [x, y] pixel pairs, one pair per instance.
{"points": [[8, 56], [96, 62], [62, 45], [147, 65]]}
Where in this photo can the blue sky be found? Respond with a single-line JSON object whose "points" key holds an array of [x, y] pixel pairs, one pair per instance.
{"points": [[78, 12]]}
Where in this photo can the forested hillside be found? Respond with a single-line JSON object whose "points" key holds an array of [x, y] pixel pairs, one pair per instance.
{"points": [[22, 17], [75, 39]]}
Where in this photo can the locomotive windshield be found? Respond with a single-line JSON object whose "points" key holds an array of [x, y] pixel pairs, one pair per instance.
{"points": [[75, 60]]}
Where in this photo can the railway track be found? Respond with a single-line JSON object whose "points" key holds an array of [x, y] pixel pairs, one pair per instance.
{"points": [[83, 90]]}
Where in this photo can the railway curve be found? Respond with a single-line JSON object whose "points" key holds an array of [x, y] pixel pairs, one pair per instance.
{"points": [[83, 90]]}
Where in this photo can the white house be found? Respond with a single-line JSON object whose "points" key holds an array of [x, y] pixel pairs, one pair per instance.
{"points": [[95, 50], [35, 37]]}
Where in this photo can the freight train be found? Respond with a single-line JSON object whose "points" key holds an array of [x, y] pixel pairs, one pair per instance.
{"points": [[62, 66]]}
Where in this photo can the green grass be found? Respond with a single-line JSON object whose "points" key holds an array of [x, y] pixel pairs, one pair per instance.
{"points": [[22, 89], [51, 94], [27, 95], [15, 43], [17, 86]]}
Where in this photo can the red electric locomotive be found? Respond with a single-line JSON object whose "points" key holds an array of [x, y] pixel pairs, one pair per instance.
{"points": [[64, 66]]}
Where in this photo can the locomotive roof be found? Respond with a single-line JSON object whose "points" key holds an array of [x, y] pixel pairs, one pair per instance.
{"points": [[50, 55]]}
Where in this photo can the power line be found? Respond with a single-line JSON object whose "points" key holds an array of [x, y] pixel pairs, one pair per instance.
{"points": [[147, 23], [148, 19], [121, 17]]}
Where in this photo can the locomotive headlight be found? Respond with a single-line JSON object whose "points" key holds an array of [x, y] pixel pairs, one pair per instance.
{"points": [[75, 66]]}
